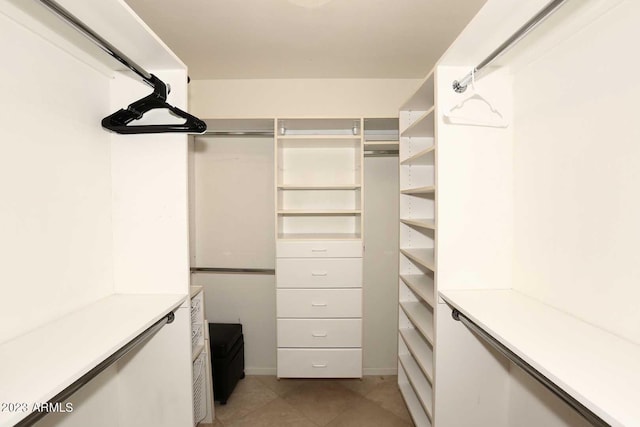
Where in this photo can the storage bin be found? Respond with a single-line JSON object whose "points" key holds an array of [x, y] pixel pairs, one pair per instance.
{"points": [[227, 358]]}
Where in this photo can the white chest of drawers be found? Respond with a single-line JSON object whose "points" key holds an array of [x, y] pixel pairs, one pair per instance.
{"points": [[319, 309]]}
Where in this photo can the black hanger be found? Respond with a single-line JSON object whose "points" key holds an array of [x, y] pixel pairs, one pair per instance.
{"points": [[118, 121]]}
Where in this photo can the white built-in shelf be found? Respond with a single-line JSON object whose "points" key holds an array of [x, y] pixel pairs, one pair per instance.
{"points": [[429, 223], [430, 189], [195, 290], [415, 408], [422, 158], [422, 127], [318, 212], [320, 187], [38, 365], [599, 369], [420, 351], [381, 145], [422, 285], [319, 236], [321, 136], [423, 98], [421, 318], [424, 257], [419, 383]]}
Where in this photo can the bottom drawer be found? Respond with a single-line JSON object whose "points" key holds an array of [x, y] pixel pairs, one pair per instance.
{"points": [[319, 363]]}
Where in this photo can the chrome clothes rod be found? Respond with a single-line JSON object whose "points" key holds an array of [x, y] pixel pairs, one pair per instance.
{"points": [[594, 419], [461, 85], [239, 133], [98, 41], [221, 270], [34, 417]]}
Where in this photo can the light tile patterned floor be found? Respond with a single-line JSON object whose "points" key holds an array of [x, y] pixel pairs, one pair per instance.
{"points": [[264, 401]]}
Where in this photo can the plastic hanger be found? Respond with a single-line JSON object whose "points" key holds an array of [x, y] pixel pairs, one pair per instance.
{"points": [[457, 116], [119, 121]]}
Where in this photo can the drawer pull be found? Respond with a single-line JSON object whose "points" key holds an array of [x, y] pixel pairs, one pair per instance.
{"points": [[319, 250], [318, 304], [319, 365], [319, 334], [318, 273]]}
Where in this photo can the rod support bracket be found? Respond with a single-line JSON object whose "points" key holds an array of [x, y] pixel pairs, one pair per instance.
{"points": [[458, 87], [455, 314], [171, 317]]}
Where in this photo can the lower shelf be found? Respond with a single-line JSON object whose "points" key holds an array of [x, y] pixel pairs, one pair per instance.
{"points": [[416, 410], [420, 385]]}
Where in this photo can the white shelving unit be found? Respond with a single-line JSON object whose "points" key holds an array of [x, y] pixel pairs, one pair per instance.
{"points": [[608, 383], [202, 380], [105, 222], [319, 210], [417, 279]]}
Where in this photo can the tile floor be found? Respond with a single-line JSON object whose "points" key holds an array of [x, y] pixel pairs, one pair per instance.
{"points": [[264, 401]]}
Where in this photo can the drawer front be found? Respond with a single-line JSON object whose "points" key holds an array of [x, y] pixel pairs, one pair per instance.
{"points": [[319, 333], [319, 363], [319, 303], [319, 249], [319, 273]]}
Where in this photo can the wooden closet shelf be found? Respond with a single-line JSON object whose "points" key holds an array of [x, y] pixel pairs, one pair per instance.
{"points": [[319, 212], [422, 127], [597, 368], [420, 350], [422, 285], [416, 410], [421, 318], [424, 257], [430, 189], [418, 381], [429, 223], [422, 158]]}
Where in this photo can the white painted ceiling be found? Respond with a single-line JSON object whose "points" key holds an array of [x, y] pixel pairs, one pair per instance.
{"points": [[254, 39]]}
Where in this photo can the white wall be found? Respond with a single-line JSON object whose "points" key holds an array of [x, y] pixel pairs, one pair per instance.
{"points": [[576, 173], [55, 182], [380, 280], [299, 97]]}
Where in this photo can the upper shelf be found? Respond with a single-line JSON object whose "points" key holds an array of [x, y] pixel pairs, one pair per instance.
{"points": [[319, 212], [597, 368], [429, 189], [422, 127], [113, 20], [38, 365], [423, 98], [423, 158]]}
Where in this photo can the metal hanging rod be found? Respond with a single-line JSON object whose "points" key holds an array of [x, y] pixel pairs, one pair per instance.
{"points": [[380, 153], [250, 133], [461, 85], [591, 417], [32, 418], [98, 41], [222, 270]]}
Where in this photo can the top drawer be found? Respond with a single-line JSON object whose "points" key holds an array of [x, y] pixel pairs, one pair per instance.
{"points": [[319, 249]]}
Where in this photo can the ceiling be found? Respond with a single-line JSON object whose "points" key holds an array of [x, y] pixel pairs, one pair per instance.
{"points": [[262, 39]]}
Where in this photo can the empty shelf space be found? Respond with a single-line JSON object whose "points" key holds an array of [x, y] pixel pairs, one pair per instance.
{"points": [[319, 141], [416, 410], [381, 145], [421, 352], [430, 189], [597, 368], [422, 127], [319, 212], [429, 223], [320, 187], [319, 236], [422, 98], [421, 318], [418, 382], [424, 257], [422, 158], [422, 285], [38, 365]]}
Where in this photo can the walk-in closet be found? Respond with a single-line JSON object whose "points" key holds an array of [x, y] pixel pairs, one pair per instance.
{"points": [[314, 213]]}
